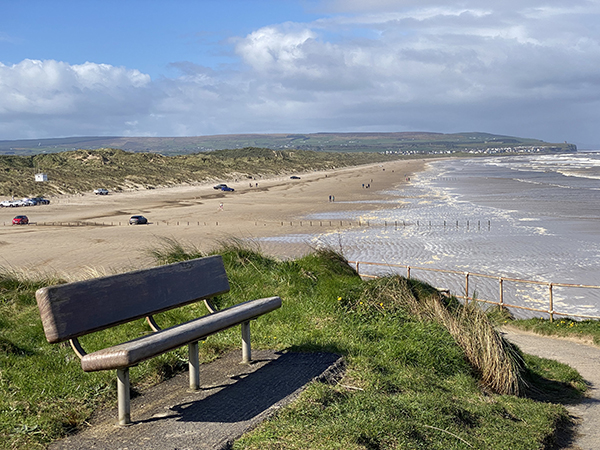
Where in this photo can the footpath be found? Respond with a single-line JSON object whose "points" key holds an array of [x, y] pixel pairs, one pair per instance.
{"points": [[586, 360]]}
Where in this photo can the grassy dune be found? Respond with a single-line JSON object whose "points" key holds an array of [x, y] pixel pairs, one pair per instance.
{"points": [[417, 374], [85, 170]]}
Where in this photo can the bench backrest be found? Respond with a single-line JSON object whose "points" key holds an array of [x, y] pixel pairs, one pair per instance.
{"points": [[75, 309]]}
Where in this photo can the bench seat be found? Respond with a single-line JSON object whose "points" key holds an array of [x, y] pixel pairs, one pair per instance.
{"points": [[70, 311], [137, 350]]}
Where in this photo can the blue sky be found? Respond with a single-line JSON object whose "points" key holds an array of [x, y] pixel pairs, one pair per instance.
{"points": [[528, 68]]}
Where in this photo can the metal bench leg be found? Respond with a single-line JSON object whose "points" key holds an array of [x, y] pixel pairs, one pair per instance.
{"points": [[194, 363], [123, 396], [246, 350]]}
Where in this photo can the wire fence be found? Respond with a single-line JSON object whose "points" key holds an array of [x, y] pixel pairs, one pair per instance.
{"points": [[550, 299], [463, 225]]}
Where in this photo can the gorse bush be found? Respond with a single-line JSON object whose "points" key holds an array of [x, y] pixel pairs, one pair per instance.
{"points": [[409, 379]]}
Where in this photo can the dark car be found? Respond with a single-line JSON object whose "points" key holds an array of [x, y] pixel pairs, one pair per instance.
{"points": [[227, 189], [137, 220], [294, 177], [41, 201], [20, 220], [219, 186]]}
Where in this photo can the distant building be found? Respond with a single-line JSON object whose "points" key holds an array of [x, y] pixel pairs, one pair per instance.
{"points": [[41, 177]]}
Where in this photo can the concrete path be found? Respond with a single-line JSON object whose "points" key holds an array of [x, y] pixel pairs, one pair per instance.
{"points": [[584, 358], [233, 399]]}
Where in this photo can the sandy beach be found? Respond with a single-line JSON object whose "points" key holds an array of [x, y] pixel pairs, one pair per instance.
{"points": [[195, 215]]}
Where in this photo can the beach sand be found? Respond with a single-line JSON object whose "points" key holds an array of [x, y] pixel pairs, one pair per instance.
{"points": [[189, 214]]}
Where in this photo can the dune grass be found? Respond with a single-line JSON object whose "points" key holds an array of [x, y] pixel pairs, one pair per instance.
{"points": [[84, 170], [417, 373]]}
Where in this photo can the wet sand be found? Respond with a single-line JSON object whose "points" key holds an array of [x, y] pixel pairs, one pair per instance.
{"points": [[190, 214]]}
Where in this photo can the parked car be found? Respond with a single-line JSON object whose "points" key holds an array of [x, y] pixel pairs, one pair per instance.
{"points": [[20, 220], [137, 220], [219, 186], [101, 191], [295, 177], [41, 200], [26, 202], [6, 204], [227, 189]]}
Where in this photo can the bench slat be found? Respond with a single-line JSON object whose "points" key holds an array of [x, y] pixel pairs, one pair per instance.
{"points": [[140, 349], [75, 309]]}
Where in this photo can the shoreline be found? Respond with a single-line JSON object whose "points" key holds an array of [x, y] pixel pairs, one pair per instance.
{"points": [[189, 214]]}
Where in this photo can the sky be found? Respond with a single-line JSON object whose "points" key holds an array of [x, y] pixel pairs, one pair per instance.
{"points": [[527, 68]]}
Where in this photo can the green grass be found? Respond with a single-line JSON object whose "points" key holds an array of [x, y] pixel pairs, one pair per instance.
{"points": [[587, 330], [409, 381]]}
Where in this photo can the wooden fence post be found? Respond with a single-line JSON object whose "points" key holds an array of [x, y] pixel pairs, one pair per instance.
{"points": [[551, 310]]}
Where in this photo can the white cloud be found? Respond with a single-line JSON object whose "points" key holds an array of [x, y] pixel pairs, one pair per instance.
{"points": [[52, 87], [275, 48], [526, 68], [37, 96]]}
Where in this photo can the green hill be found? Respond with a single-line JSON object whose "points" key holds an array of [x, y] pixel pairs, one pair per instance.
{"points": [[403, 142]]}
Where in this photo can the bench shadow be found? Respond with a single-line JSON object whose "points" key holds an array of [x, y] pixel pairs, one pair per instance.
{"points": [[254, 393]]}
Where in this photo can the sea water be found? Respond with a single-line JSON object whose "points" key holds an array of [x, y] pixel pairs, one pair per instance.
{"points": [[530, 217]]}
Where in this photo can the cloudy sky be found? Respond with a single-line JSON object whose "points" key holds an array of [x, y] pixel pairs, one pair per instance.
{"points": [[528, 68]]}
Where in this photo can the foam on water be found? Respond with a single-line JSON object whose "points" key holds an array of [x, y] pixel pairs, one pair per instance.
{"points": [[476, 216]]}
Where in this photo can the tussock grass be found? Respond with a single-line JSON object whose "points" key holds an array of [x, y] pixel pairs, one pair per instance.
{"points": [[497, 363], [171, 250], [408, 382]]}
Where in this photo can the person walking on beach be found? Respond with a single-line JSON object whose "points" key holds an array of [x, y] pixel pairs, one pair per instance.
{"points": [[221, 206]]}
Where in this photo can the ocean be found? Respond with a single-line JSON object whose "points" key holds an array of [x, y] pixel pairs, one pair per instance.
{"points": [[530, 217]]}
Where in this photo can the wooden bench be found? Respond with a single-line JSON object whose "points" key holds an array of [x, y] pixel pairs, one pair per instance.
{"points": [[71, 310]]}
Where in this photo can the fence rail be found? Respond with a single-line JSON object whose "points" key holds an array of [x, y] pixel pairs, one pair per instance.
{"points": [[469, 276]]}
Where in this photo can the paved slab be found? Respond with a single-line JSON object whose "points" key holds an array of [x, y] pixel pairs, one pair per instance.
{"points": [[584, 358], [233, 399]]}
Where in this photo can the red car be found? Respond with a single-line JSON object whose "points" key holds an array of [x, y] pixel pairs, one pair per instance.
{"points": [[20, 220]]}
